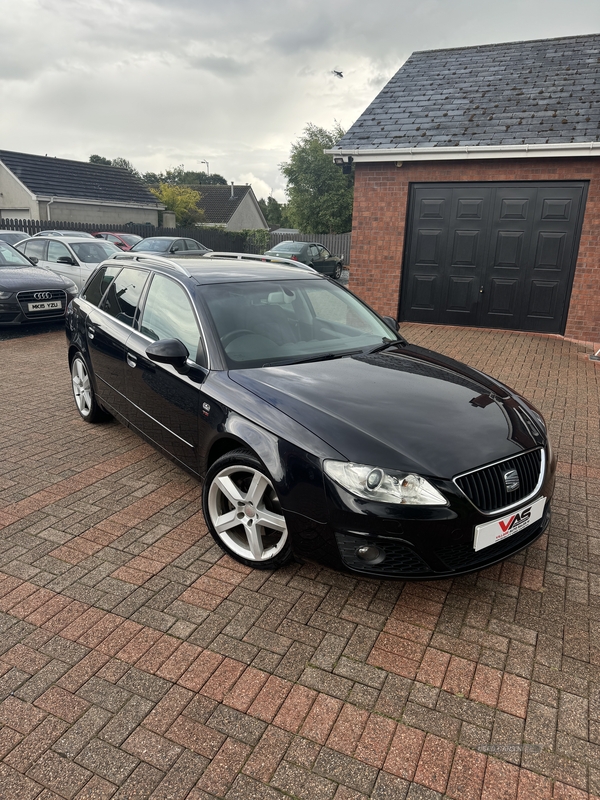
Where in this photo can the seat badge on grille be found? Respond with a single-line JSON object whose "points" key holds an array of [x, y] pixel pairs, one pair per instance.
{"points": [[511, 480]]}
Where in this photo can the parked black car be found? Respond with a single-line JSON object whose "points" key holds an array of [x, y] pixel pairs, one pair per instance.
{"points": [[318, 430], [311, 253], [29, 293], [170, 247]]}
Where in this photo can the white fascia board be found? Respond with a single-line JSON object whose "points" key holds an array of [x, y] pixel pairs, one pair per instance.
{"points": [[86, 201], [469, 152]]}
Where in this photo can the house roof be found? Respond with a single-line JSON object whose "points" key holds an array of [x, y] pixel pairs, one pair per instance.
{"points": [[60, 177], [536, 93], [218, 204]]}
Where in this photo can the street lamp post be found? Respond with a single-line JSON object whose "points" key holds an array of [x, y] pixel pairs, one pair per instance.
{"points": [[207, 167]]}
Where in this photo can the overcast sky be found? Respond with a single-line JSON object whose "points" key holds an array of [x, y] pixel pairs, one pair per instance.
{"points": [[233, 82]]}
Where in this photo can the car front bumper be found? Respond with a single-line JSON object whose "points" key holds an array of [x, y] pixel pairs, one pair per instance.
{"points": [[416, 542]]}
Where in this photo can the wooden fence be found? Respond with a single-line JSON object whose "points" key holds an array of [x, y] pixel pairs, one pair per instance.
{"points": [[215, 238]]}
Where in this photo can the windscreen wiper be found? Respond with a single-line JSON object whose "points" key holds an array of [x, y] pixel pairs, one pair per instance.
{"points": [[325, 357], [387, 343]]}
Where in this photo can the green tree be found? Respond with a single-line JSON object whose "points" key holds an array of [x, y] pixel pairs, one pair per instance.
{"points": [[183, 201], [123, 163], [178, 176], [273, 211], [320, 194], [95, 159]]}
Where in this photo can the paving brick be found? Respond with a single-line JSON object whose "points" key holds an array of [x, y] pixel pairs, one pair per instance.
{"points": [[295, 708], [195, 736], [347, 729], [405, 751], [223, 769], [109, 762], [434, 764], [501, 781], [19, 715], [270, 699], [467, 775], [62, 704], [31, 748], [59, 774], [345, 770], [267, 754], [237, 725]]}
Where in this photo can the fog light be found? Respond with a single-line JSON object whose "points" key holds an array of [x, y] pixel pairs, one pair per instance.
{"points": [[371, 554]]}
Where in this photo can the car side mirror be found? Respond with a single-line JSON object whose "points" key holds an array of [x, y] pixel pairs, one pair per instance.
{"points": [[33, 260], [174, 249], [391, 323], [169, 351], [66, 260]]}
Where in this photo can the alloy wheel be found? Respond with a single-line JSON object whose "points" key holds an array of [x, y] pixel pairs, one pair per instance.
{"points": [[245, 513], [82, 387]]}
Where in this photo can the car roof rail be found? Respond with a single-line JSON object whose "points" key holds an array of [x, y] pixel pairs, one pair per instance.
{"points": [[167, 262], [257, 257]]}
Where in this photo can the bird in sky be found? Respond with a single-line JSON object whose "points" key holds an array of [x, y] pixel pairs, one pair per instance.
{"points": [[337, 73]]}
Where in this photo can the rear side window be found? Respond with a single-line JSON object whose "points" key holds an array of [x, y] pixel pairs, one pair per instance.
{"points": [[99, 283], [36, 248], [123, 294]]}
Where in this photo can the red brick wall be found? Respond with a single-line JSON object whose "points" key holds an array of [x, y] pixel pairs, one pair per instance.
{"points": [[380, 205]]}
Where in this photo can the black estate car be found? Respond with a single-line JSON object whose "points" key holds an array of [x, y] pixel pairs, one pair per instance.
{"points": [[317, 430], [29, 293]]}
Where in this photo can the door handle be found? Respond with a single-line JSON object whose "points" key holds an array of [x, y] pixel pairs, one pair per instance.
{"points": [[91, 332], [481, 289], [131, 359]]}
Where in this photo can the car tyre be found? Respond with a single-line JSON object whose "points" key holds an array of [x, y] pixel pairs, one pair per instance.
{"points": [[243, 512], [338, 272], [83, 391]]}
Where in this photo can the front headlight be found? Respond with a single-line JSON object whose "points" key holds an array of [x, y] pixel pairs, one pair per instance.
{"points": [[71, 287], [5, 295], [374, 483]]}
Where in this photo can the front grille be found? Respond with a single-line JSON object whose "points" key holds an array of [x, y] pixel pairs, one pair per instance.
{"points": [[400, 559], [462, 556], [25, 298], [486, 488]]}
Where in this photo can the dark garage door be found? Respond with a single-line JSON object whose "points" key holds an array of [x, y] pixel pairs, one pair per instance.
{"points": [[494, 255]]}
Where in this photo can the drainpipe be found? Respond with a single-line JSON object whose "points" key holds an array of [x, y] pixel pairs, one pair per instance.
{"points": [[52, 199]]}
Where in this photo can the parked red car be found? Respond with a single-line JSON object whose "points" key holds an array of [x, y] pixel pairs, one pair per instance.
{"points": [[123, 240]]}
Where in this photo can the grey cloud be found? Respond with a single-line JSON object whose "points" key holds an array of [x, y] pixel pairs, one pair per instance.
{"points": [[221, 66]]}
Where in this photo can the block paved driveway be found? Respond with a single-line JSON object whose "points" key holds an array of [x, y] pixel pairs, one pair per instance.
{"points": [[137, 661]]}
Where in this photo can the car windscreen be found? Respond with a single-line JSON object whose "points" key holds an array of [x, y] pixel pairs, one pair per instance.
{"points": [[289, 247], [9, 257], [12, 237], [130, 238], [263, 323], [94, 252], [154, 245]]}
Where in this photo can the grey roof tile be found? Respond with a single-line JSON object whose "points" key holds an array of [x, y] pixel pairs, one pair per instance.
{"points": [[60, 177], [513, 92]]}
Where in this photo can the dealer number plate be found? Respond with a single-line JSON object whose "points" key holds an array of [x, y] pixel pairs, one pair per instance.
{"points": [[499, 529], [48, 305]]}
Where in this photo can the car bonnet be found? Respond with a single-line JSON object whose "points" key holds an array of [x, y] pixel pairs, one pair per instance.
{"points": [[398, 412]]}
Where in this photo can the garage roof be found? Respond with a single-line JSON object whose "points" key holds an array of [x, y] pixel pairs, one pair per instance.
{"points": [[534, 93]]}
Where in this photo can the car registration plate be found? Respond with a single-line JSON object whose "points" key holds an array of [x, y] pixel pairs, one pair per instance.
{"points": [[48, 305], [492, 532]]}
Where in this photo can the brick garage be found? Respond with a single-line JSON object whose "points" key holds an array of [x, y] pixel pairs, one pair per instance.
{"points": [[380, 210], [525, 113]]}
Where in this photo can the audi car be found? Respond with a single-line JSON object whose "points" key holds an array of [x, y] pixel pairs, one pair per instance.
{"points": [[317, 431], [29, 293]]}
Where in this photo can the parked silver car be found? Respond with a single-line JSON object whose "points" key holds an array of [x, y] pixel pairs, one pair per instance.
{"points": [[72, 257]]}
